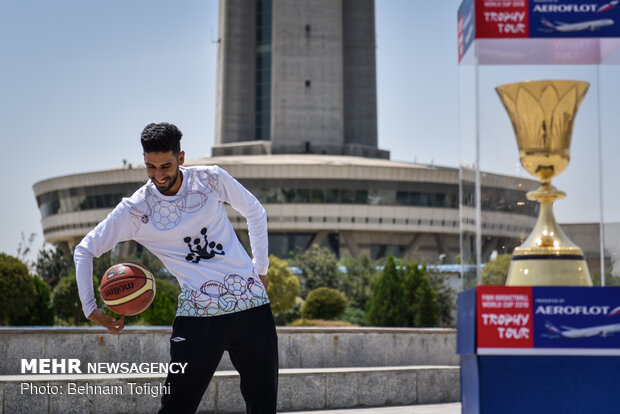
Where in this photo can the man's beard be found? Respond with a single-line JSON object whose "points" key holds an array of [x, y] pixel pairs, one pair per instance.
{"points": [[171, 184]]}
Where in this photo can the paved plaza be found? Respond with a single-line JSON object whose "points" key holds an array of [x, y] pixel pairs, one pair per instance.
{"points": [[451, 408]]}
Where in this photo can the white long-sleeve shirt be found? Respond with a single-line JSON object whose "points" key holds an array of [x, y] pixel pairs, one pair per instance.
{"points": [[193, 237]]}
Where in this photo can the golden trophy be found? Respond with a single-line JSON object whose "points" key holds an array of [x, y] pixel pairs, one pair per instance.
{"points": [[542, 114]]}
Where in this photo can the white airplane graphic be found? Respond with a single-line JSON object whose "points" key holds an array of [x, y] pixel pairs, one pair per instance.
{"points": [[608, 6], [591, 25], [572, 333]]}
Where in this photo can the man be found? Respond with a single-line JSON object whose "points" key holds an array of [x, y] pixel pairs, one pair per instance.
{"points": [[180, 216]]}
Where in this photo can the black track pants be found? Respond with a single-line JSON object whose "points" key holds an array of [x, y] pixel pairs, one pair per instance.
{"points": [[249, 337]]}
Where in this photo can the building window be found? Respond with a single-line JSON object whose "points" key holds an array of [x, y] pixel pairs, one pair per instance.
{"points": [[281, 244], [84, 198], [378, 251], [384, 193]]}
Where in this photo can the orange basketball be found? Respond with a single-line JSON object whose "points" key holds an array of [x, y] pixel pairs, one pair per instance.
{"points": [[128, 288]]}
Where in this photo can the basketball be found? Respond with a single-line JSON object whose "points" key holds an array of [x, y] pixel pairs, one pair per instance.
{"points": [[127, 288]]}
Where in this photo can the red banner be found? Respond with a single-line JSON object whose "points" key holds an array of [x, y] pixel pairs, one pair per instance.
{"points": [[502, 19], [504, 318]]}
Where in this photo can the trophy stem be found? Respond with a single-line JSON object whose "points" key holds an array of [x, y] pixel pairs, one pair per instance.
{"points": [[548, 235], [546, 193], [548, 257]]}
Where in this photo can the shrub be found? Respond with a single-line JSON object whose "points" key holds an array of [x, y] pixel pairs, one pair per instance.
{"points": [[282, 286], [318, 322], [324, 303], [446, 298], [40, 312], [356, 283], [164, 307], [495, 271], [355, 316], [66, 299], [52, 265], [291, 314], [319, 267], [17, 290], [610, 279]]}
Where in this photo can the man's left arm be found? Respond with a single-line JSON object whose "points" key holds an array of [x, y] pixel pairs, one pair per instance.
{"points": [[246, 203]]}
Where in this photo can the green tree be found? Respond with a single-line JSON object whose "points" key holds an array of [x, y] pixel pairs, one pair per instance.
{"points": [[163, 309], [324, 303], [66, 300], [291, 314], [412, 280], [152, 263], [387, 306], [141, 255], [40, 312], [355, 316], [24, 248], [52, 265], [319, 267], [495, 271], [425, 306], [101, 264], [356, 283], [610, 279], [17, 290], [282, 286], [446, 298]]}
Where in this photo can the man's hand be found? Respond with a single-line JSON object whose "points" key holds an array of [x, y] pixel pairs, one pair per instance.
{"points": [[108, 322], [263, 278]]}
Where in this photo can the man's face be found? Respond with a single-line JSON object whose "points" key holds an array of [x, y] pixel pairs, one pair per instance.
{"points": [[163, 169]]}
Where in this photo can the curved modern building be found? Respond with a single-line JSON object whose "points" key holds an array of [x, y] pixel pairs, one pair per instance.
{"points": [[350, 204]]}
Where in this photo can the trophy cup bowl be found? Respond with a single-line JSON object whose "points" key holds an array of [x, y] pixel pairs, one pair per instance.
{"points": [[542, 115]]}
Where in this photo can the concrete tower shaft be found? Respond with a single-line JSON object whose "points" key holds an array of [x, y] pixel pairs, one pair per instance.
{"points": [[297, 77]]}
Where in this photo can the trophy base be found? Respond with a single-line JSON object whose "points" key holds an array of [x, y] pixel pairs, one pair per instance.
{"points": [[556, 271]]}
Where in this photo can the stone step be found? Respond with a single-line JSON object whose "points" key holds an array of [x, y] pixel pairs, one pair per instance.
{"points": [[442, 408], [300, 347], [299, 389]]}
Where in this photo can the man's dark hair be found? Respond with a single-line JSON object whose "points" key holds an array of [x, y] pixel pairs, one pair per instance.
{"points": [[162, 137]]}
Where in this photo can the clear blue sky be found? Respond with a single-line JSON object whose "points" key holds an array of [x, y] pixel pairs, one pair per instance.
{"points": [[80, 79]]}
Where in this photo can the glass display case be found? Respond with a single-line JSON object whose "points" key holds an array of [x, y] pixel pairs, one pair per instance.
{"points": [[509, 41]]}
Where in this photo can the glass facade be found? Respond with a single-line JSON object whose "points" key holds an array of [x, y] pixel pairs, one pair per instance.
{"points": [[263, 70], [84, 198], [378, 251], [500, 199], [396, 193], [291, 191], [282, 244]]}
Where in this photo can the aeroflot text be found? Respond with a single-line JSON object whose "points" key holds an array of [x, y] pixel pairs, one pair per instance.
{"points": [[73, 366], [565, 8], [572, 310]]}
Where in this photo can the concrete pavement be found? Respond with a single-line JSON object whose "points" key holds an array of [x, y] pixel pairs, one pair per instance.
{"points": [[451, 408]]}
